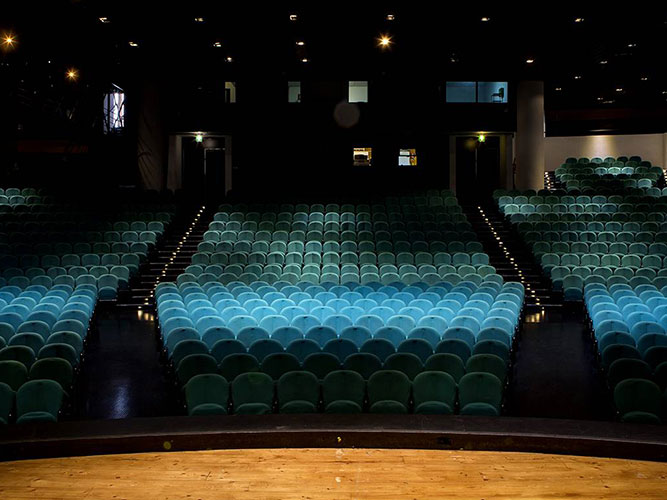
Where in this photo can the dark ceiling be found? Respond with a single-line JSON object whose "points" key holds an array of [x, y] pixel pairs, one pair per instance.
{"points": [[613, 57]]}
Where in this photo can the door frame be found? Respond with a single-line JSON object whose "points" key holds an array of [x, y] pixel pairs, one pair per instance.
{"points": [[175, 158], [507, 156]]}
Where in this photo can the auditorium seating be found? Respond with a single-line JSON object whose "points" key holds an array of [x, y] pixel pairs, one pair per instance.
{"points": [[47, 240], [605, 236], [58, 259], [629, 327], [298, 296]]}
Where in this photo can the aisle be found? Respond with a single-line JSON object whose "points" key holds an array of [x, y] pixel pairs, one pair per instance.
{"points": [[555, 371], [123, 375]]}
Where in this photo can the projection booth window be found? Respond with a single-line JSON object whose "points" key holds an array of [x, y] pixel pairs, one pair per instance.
{"points": [[114, 110]]}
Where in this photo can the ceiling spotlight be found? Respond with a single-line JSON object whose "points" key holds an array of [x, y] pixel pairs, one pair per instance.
{"points": [[558, 89], [600, 98], [304, 60], [199, 19], [293, 17], [133, 44], [391, 17], [619, 89], [604, 62], [644, 78], [485, 19], [104, 20], [632, 45], [9, 40], [384, 41], [301, 43], [577, 77], [530, 61], [579, 20], [72, 74], [229, 59], [217, 45]]}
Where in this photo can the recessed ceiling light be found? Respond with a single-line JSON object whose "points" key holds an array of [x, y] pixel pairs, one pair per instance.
{"points": [[104, 20], [72, 74], [304, 60], [384, 41], [301, 43], [485, 19], [578, 19], [293, 17], [604, 62], [199, 19], [8, 40], [632, 45], [229, 59], [644, 78], [577, 77], [558, 89], [133, 44], [530, 61], [390, 17], [217, 45], [619, 89], [664, 92], [600, 98]]}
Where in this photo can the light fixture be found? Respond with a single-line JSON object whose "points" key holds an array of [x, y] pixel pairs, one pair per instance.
{"points": [[579, 20], [604, 62], [632, 45], [229, 59], [384, 41], [199, 19], [72, 74], [293, 17], [530, 61], [217, 45], [485, 19], [481, 138], [577, 77], [644, 78], [619, 89], [133, 44], [558, 89], [199, 137], [8, 40], [391, 17], [301, 43], [104, 20], [304, 60]]}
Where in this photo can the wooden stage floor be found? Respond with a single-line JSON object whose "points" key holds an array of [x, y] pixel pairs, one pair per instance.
{"points": [[381, 474]]}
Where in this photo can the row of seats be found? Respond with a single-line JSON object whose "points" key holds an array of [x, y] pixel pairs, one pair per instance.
{"points": [[609, 159], [42, 336], [578, 208], [434, 246], [552, 199], [342, 391]]}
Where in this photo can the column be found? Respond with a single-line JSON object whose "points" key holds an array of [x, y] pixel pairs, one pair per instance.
{"points": [[530, 135]]}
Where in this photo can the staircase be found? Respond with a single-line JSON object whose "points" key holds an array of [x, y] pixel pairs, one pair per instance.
{"points": [[170, 257], [510, 256]]}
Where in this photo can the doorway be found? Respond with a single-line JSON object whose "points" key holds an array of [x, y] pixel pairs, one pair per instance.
{"points": [[203, 166], [477, 166]]}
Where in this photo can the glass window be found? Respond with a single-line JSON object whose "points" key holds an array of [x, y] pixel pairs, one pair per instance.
{"points": [[362, 157], [407, 158], [491, 91], [461, 92], [114, 110], [230, 92], [293, 91], [358, 92]]}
